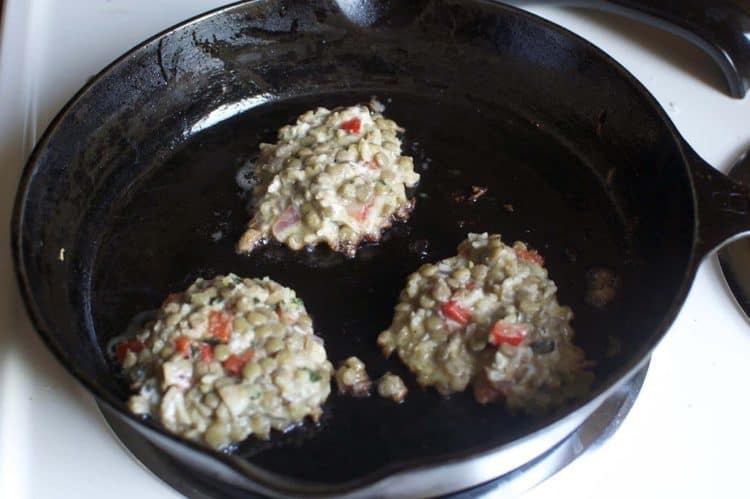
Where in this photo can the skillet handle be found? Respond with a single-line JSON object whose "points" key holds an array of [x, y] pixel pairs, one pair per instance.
{"points": [[721, 28], [722, 206]]}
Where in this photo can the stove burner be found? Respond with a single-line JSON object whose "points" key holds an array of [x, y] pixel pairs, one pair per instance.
{"points": [[588, 437]]}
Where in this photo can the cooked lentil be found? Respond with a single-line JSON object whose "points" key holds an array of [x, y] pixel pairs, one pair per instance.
{"points": [[335, 177], [488, 316], [227, 358], [391, 386], [352, 378]]}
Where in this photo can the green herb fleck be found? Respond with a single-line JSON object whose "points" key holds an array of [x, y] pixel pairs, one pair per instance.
{"points": [[235, 279], [215, 300], [298, 301], [314, 377], [256, 299], [544, 346]]}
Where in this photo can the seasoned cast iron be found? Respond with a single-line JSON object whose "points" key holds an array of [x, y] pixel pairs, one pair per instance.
{"points": [[719, 28], [131, 195]]}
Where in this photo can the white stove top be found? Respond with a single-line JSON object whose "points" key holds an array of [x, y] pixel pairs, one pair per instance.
{"points": [[686, 436]]}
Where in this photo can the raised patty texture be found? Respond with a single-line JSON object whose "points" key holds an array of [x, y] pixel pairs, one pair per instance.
{"points": [[334, 176], [488, 316], [227, 358]]}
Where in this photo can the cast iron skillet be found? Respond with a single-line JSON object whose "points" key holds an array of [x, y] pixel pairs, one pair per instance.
{"points": [[131, 195]]}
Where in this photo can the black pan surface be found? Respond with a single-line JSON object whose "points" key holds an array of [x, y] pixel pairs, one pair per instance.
{"points": [[578, 161], [184, 217]]}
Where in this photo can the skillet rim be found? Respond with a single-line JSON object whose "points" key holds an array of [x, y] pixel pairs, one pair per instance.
{"points": [[240, 465]]}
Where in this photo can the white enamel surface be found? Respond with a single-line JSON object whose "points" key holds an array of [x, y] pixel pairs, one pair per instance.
{"points": [[686, 436]]}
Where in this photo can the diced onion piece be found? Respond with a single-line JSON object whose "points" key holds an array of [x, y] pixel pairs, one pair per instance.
{"points": [[236, 397], [177, 372]]}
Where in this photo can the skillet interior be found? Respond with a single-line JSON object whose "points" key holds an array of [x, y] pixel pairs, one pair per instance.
{"points": [[488, 97]]}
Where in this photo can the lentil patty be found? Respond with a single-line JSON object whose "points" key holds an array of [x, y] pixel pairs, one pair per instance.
{"points": [[488, 316], [334, 177], [227, 358]]}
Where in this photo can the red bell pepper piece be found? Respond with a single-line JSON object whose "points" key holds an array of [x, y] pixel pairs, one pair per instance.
{"points": [[456, 312], [509, 333], [206, 352], [219, 325], [530, 256], [182, 345], [352, 126], [235, 363], [123, 348]]}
